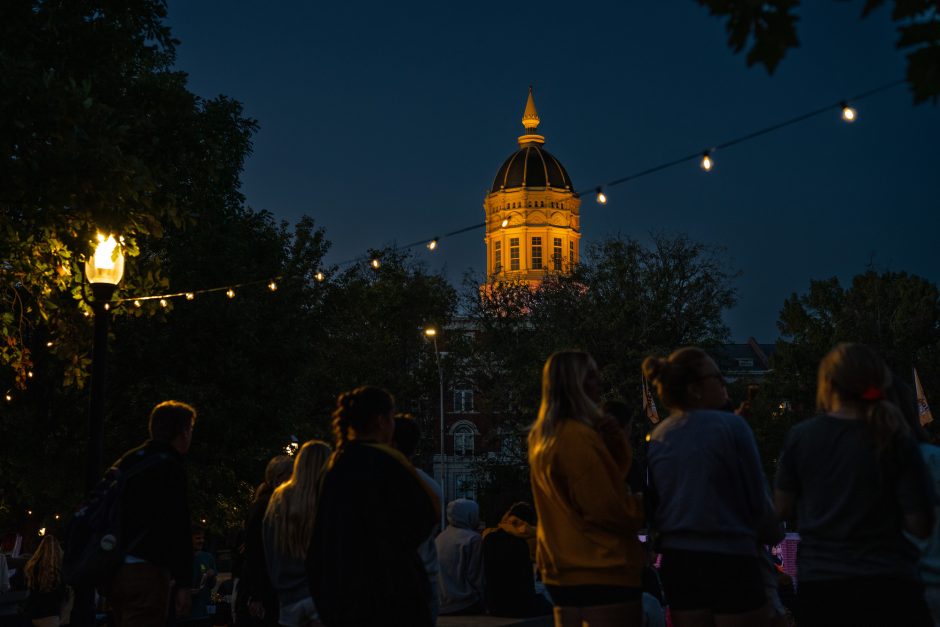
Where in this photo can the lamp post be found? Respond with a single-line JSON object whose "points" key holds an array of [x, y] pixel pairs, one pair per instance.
{"points": [[104, 271], [431, 333]]}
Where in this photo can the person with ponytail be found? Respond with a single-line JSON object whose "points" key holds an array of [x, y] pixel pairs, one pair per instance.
{"points": [[288, 527], [586, 542], [711, 506], [854, 480], [374, 512]]}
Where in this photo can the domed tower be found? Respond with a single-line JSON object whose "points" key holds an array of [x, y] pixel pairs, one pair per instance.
{"points": [[532, 223]]}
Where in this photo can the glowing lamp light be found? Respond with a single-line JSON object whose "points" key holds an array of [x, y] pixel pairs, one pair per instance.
{"points": [[57, 517], [432, 244], [190, 296], [30, 374], [272, 286], [707, 163], [137, 304], [376, 264], [107, 264], [601, 196], [848, 113], [163, 302], [319, 276], [505, 223], [648, 437], [430, 332], [230, 293], [8, 397]]}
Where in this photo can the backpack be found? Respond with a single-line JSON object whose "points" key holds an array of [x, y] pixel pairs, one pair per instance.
{"points": [[95, 545]]}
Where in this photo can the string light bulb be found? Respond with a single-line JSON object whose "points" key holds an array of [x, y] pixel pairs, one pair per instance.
{"points": [[601, 196], [505, 223], [432, 244], [137, 304], [8, 397], [272, 286], [190, 296], [107, 306], [848, 113], [50, 344], [319, 276], [707, 163], [163, 302], [376, 264], [29, 374], [230, 293]]}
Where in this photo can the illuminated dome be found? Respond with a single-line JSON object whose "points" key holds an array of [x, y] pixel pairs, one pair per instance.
{"points": [[531, 166]]}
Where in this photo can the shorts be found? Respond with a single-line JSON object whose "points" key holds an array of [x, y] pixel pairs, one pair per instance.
{"points": [[298, 614], [719, 582]]}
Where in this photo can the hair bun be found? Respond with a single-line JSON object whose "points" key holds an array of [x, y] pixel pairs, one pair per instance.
{"points": [[653, 368]]}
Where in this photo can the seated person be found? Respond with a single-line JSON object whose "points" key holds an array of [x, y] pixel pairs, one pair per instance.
{"points": [[507, 566], [460, 554]]}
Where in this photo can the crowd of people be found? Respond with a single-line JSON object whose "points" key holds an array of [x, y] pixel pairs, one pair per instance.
{"points": [[348, 533]]}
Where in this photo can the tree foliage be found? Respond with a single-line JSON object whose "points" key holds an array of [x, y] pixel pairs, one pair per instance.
{"points": [[97, 132], [769, 31]]}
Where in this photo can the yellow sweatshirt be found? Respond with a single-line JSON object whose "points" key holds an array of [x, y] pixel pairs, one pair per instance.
{"points": [[587, 520]]}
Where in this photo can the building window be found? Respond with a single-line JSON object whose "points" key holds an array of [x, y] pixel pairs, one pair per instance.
{"points": [[498, 256], [463, 441], [536, 253], [571, 259], [465, 488], [463, 401], [514, 253], [557, 255]]}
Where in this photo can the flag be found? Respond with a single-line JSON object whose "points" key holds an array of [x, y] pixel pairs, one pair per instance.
{"points": [[923, 409], [649, 405]]}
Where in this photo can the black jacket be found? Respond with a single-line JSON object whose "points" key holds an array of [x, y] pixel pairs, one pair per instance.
{"points": [[155, 511], [363, 563]]}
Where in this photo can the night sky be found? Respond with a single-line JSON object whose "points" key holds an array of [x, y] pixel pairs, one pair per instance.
{"points": [[387, 123]]}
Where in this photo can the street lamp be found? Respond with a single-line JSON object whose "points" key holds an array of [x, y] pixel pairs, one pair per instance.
{"points": [[104, 271], [431, 334]]}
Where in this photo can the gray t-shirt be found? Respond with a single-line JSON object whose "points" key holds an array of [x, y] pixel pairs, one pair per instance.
{"points": [[850, 502]]}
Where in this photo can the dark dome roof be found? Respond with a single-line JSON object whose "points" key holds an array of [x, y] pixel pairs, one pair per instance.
{"points": [[531, 166]]}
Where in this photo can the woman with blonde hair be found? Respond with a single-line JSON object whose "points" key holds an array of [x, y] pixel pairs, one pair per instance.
{"points": [[855, 481], [711, 503], [288, 527], [587, 548], [47, 592]]}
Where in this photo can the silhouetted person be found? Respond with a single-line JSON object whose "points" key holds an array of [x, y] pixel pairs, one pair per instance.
{"points": [[508, 571], [157, 524], [374, 512], [855, 481]]}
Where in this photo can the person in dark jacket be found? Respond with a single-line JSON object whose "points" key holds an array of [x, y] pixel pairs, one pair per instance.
{"points": [[256, 602], [156, 522], [363, 564], [508, 570]]}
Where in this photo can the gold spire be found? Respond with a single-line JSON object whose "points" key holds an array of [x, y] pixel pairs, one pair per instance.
{"points": [[530, 120]]}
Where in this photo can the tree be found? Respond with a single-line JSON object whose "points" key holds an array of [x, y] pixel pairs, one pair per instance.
{"points": [[621, 303], [770, 29], [96, 132], [896, 313]]}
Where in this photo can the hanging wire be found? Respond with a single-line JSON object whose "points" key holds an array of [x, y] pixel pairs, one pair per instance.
{"points": [[375, 261]]}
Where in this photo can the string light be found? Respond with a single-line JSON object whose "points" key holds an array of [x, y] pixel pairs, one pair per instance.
{"points": [[137, 303], [107, 306], [272, 286], [163, 302], [601, 196], [376, 264], [42, 531], [230, 293], [8, 397], [432, 244], [29, 374], [319, 276], [848, 113], [707, 163], [505, 223], [49, 344], [190, 296], [29, 512]]}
